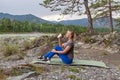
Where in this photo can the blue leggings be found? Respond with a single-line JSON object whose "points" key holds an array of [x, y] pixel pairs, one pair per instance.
{"points": [[65, 59]]}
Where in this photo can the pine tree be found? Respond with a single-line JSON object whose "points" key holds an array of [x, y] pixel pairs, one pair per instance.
{"points": [[70, 7], [104, 8]]}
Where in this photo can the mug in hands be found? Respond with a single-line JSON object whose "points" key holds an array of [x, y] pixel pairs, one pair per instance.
{"points": [[59, 36]]}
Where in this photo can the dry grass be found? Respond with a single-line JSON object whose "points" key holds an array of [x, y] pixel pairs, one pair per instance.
{"points": [[73, 77], [27, 45], [73, 69], [10, 49], [2, 75]]}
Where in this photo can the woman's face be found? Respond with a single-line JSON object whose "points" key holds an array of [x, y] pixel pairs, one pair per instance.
{"points": [[68, 34]]}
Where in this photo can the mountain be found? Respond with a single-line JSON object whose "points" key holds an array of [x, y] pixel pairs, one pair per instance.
{"points": [[82, 22], [27, 17], [101, 22]]}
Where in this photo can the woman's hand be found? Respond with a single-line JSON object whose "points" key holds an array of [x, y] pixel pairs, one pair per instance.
{"points": [[59, 36], [53, 50]]}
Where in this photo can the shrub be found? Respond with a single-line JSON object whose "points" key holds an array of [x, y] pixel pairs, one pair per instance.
{"points": [[71, 77], [73, 69], [107, 42], [78, 79], [104, 54], [11, 49], [119, 67], [82, 68], [2, 75], [27, 44], [15, 72], [62, 68], [85, 39], [40, 69]]}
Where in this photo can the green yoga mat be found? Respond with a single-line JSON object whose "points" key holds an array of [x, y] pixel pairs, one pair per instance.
{"points": [[57, 61]]}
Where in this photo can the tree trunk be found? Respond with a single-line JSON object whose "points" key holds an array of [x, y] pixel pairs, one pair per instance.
{"points": [[110, 16], [90, 23]]}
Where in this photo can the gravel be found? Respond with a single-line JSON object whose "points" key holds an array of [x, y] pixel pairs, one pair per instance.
{"points": [[61, 72]]}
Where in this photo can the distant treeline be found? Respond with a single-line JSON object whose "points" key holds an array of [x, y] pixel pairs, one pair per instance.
{"points": [[7, 25]]}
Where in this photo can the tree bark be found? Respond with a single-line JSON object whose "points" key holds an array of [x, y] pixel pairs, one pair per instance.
{"points": [[110, 16], [90, 23]]}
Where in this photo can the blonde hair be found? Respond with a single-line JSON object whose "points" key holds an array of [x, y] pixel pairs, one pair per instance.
{"points": [[73, 35]]}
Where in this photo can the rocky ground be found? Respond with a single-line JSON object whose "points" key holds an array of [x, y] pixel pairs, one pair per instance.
{"points": [[18, 52]]}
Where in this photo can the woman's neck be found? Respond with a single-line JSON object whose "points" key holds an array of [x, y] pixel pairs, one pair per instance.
{"points": [[69, 39]]}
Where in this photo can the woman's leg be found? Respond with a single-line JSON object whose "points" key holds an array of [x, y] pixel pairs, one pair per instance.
{"points": [[65, 59], [51, 54]]}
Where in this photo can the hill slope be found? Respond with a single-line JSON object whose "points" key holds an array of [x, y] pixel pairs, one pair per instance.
{"points": [[27, 17], [101, 22], [104, 22]]}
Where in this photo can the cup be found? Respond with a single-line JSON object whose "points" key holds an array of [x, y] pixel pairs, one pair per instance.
{"points": [[59, 36]]}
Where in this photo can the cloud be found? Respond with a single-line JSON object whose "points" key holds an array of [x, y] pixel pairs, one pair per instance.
{"points": [[20, 7], [23, 7], [57, 17]]}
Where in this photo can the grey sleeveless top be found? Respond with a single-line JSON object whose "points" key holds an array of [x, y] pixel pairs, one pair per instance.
{"points": [[70, 53]]}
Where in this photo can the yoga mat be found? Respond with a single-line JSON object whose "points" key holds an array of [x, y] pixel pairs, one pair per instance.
{"points": [[57, 61]]}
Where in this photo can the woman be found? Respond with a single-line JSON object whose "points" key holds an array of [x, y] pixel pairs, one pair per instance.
{"points": [[64, 51]]}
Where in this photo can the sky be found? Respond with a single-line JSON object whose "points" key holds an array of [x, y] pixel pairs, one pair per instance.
{"points": [[21, 7]]}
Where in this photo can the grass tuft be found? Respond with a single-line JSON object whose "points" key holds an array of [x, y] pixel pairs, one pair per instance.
{"points": [[73, 69], [27, 44], [2, 75], [11, 49], [73, 77]]}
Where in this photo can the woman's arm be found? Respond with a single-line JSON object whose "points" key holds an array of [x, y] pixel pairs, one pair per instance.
{"points": [[62, 52], [60, 42]]}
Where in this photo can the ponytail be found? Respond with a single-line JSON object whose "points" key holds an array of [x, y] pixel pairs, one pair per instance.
{"points": [[73, 35]]}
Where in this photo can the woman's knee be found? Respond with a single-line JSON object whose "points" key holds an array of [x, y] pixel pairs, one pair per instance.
{"points": [[58, 48]]}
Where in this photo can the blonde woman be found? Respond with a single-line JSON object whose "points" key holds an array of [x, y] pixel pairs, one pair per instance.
{"points": [[64, 51]]}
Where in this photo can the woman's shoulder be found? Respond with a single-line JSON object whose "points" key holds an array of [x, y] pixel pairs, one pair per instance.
{"points": [[70, 41]]}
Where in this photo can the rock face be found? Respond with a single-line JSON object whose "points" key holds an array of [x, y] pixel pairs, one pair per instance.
{"points": [[109, 42], [17, 66], [87, 73]]}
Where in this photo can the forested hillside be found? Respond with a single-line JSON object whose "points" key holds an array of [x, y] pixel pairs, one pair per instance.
{"points": [[22, 18], [100, 22], [7, 25]]}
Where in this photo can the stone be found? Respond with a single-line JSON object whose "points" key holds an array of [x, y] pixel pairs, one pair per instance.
{"points": [[23, 76]]}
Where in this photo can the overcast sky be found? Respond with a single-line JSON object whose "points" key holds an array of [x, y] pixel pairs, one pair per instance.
{"points": [[20, 7]]}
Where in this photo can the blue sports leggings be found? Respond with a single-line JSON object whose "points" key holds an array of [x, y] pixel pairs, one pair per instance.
{"points": [[65, 59]]}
